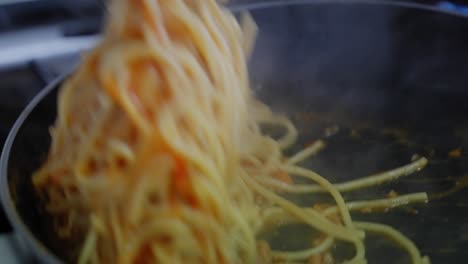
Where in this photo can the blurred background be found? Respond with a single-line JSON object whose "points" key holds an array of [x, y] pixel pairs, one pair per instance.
{"points": [[42, 39]]}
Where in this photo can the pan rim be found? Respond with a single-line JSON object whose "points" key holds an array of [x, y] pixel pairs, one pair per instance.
{"points": [[277, 3], [5, 195]]}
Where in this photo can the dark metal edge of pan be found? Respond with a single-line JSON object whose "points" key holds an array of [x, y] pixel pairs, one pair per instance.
{"points": [[277, 3], [19, 226]]}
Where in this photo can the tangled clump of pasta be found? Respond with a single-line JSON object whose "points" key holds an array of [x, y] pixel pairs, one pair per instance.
{"points": [[158, 155]]}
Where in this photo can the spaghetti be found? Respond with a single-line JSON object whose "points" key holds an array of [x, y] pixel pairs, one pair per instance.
{"points": [[158, 155]]}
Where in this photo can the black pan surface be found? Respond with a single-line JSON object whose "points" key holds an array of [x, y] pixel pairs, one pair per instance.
{"points": [[379, 82]]}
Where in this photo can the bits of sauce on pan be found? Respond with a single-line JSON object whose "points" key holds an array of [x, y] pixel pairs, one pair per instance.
{"points": [[455, 153]]}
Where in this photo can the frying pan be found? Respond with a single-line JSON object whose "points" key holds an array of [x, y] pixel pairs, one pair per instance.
{"points": [[380, 82]]}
